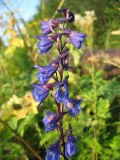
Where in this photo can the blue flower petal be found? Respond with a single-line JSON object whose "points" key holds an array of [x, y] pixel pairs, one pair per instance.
{"points": [[45, 73], [73, 106], [53, 152], [77, 39], [40, 93], [62, 91], [70, 146], [50, 121], [45, 44], [47, 26]]}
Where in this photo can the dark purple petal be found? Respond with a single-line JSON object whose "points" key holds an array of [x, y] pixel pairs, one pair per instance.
{"points": [[50, 121], [61, 20], [70, 146], [67, 14], [73, 106], [53, 152]]}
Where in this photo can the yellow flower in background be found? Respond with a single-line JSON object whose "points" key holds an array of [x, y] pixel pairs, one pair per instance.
{"points": [[18, 107]]}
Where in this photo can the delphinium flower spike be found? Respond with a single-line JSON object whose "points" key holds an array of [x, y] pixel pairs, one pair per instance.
{"points": [[52, 33]]}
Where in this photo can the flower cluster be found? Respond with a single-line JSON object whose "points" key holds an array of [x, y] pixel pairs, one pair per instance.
{"points": [[54, 32]]}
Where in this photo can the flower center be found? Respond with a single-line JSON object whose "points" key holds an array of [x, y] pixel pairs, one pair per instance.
{"points": [[50, 117], [62, 89], [69, 105]]}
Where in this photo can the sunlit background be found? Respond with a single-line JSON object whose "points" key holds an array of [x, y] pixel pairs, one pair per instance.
{"points": [[94, 77]]}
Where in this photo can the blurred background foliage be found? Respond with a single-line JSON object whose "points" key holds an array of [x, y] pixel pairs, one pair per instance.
{"points": [[94, 76]]}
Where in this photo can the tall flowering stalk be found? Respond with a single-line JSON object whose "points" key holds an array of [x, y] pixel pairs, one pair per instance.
{"points": [[55, 32]]}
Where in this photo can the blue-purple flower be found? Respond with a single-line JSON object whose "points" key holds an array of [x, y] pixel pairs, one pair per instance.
{"points": [[50, 121], [73, 106], [77, 38], [48, 26], [45, 44], [45, 73], [62, 91], [40, 92], [70, 146], [53, 152]]}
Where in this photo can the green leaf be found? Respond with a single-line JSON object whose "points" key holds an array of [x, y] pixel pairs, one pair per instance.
{"points": [[29, 120], [103, 108]]}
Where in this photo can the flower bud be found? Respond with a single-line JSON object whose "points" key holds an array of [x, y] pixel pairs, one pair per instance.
{"points": [[70, 146], [53, 152]]}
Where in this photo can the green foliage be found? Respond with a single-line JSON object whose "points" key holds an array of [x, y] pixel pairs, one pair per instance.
{"points": [[16, 66], [9, 149]]}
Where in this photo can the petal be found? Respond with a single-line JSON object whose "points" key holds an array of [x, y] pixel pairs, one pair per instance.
{"points": [[77, 39], [53, 152], [70, 147], [45, 44], [62, 91], [45, 73], [73, 106], [40, 93], [50, 121], [45, 26]]}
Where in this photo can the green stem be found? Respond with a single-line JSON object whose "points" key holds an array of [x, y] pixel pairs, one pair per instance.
{"points": [[95, 111], [59, 6], [94, 104]]}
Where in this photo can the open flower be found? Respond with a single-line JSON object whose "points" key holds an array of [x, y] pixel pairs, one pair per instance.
{"points": [[48, 26], [77, 39], [40, 92], [45, 73], [70, 146], [50, 121], [73, 106], [53, 152], [45, 44], [62, 91]]}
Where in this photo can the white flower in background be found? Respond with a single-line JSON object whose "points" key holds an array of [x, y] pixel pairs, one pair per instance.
{"points": [[85, 24]]}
